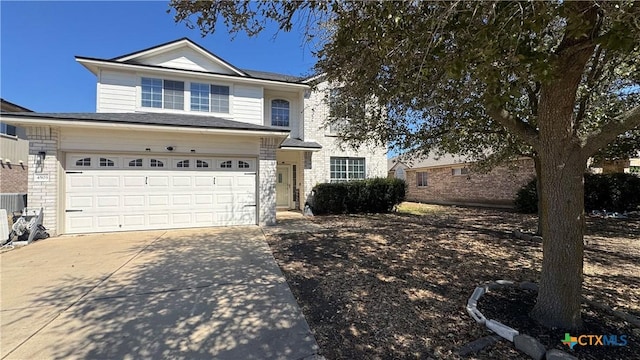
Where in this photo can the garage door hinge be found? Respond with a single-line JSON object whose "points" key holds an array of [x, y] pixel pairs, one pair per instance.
{"points": [[73, 172], [73, 211]]}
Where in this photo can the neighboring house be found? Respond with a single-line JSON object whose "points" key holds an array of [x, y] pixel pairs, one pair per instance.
{"points": [[181, 138], [397, 168], [631, 165], [449, 180], [14, 153]]}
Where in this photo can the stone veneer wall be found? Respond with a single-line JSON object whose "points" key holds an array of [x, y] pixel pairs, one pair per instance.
{"points": [[498, 187], [267, 181], [44, 193]]}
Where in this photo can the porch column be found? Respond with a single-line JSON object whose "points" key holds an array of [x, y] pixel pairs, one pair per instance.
{"points": [[267, 181]]}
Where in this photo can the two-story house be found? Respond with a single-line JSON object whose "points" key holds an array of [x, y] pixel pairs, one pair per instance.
{"points": [[181, 138]]}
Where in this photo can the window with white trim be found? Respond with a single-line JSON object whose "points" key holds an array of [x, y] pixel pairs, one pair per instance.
{"points": [[421, 179], [104, 162], [158, 93], [202, 164], [346, 169], [206, 97], [280, 113], [83, 162], [226, 164], [343, 107], [135, 163], [183, 164], [156, 163], [243, 164]]}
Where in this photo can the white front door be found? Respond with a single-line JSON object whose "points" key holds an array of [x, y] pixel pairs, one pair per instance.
{"points": [[143, 192], [283, 188]]}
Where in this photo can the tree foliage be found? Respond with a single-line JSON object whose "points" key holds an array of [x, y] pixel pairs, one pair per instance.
{"points": [[559, 80]]}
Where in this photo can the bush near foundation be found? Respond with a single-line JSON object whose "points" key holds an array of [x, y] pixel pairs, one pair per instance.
{"points": [[611, 192], [377, 195]]}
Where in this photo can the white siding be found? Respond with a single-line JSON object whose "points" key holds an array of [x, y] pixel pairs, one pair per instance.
{"points": [[116, 92], [129, 141], [247, 104], [188, 59]]}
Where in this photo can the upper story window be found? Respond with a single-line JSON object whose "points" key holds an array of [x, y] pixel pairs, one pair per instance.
{"points": [[7, 129], [279, 113], [158, 93], [343, 107], [205, 97]]}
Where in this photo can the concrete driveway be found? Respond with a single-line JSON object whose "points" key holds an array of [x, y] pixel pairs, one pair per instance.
{"points": [[180, 294]]}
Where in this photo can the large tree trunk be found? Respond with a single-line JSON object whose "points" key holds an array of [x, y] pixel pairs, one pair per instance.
{"points": [[562, 222]]}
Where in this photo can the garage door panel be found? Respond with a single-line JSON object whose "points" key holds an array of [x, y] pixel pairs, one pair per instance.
{"points": [[181, 199], [181, 181], [156, 181], [181, 218], [156, 220], [158, 200], [80, 181], [107, 181], [133, 200], [130, 182], [108, 201], [79, 201], [146, 197], [133, 220], [204, 199]]}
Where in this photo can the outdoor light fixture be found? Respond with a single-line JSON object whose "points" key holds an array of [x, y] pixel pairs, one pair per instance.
{"points": [[40, 161]]}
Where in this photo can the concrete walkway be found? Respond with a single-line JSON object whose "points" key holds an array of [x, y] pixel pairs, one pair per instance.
{"points": [[179, 294]]}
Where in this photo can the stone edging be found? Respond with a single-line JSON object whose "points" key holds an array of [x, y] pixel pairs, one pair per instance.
{"points": [[522, 342]]}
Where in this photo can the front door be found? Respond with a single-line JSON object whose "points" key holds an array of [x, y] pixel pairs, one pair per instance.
{"points": [[282, 186]]}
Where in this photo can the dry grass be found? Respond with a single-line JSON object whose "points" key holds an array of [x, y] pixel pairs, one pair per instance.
{"points": [[394, 286]]}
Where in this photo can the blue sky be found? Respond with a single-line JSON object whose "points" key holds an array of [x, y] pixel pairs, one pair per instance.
{"points": [[39, 40]]}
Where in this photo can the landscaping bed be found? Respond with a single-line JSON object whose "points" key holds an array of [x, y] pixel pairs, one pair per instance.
{"points": [[396, 285]]}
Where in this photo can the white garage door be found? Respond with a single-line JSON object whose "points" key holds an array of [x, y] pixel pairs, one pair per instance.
{"points": [[122, 193]]}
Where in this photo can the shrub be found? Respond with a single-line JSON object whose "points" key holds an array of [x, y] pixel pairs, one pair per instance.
{"points": [[527, 198], [612, 192], [377, 195]]}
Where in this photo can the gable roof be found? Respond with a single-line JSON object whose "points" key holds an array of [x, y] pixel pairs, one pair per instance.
{"points": [[175, 44], [9, 106]]}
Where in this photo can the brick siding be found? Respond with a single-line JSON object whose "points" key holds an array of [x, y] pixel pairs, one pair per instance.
{"points": [[13, 178], [44, 194], [496, 188]]}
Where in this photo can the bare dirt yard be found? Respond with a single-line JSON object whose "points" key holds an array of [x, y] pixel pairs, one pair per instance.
{"points": [[395, 286]]}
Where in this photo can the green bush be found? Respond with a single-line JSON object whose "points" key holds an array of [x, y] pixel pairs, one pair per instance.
{"points": [[527, 198], [377, 195], [612, 192]]}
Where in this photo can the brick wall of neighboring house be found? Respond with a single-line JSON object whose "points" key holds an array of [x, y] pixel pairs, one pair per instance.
{"points": [[496, 188], [13, 178]]}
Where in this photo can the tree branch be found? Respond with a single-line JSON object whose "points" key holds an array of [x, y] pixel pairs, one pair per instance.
{"points": [[523, 130], [603, 136]]}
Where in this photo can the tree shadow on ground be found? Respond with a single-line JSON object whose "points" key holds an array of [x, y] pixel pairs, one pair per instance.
{"points": [[212, 295]]}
